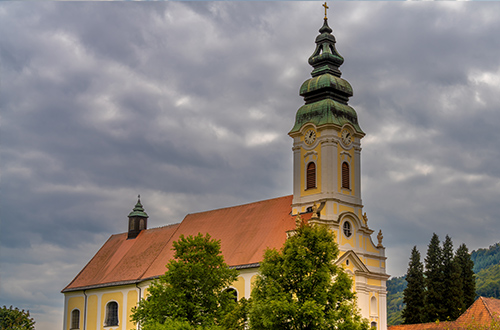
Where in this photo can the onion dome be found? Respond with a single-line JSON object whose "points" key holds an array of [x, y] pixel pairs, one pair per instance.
{"points": [[326, 94]]}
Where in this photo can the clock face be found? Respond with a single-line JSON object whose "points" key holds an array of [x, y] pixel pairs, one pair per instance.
{"points": [[346, 137], [310, 136]]}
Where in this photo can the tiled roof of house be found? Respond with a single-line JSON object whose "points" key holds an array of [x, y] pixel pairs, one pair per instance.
{"points": [[245, 231], [482, 312]]}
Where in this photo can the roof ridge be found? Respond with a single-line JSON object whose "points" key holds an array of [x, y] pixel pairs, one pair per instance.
{"points": [[239, 205], [490, 312]]}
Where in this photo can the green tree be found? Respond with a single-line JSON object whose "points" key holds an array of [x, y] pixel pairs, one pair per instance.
{"points": [[467, 277], [192, 289], [434, 281], [15, 319], [488, 282], [414, 293], [453, 292], [395, 305], [300, 287]]}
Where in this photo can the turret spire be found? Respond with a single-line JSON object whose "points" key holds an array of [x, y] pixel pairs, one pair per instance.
{"points": [[326, 94], [137, 219]]}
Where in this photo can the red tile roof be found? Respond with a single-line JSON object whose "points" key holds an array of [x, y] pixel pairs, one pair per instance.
{"points": [[482, 312], [245, 231]]}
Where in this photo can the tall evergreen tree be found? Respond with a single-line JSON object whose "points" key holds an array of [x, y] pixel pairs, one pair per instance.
{"points": [[467, 277], [434, 281], [452, 291], [414, 293]]}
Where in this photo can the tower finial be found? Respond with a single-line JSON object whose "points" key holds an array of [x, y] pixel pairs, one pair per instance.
{"points": [[326, 7]]}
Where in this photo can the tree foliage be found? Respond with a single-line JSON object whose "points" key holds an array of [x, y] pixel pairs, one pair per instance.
{"points": [[453, 297], [484, 258], [434, 304], [414, 293], [467, 277], [15, 319], [395, 305], [192, 290], [300, 287], [488, 282]]}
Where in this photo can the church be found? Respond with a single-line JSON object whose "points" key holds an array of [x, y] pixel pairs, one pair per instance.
{"points": [[326, 190]]}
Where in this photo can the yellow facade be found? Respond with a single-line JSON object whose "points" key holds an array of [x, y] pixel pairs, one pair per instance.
{"points": [[75, 303], [92, 312]]}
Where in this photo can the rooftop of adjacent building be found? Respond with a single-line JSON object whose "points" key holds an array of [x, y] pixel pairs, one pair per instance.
{"points": [[481, 313]]}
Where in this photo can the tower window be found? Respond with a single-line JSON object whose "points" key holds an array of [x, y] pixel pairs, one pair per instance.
{"points": [[347, 229], [75, 319], [345, 176], [111, 314], [311, 176]]}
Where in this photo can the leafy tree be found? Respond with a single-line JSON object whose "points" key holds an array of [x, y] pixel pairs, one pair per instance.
{"points": [[395, 305], [434, 304], [488, 282], [15, 319], [484, 258], [414, 294], [300, 287], [192, 290], [463, 259], [453, 293]]}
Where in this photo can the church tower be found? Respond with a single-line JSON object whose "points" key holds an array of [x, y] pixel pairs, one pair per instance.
{"points": [[327, 174]]}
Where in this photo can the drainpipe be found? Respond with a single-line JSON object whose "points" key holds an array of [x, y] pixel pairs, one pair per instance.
{"points": [[85, 311]]}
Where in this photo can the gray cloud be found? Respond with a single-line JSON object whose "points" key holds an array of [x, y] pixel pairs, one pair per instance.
{"points": [[189, 104]]}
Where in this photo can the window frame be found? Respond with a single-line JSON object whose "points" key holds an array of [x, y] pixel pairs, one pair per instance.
{"points": [[347, 229], [75, 319], [346, 177], [311, 176], [112, 315]]}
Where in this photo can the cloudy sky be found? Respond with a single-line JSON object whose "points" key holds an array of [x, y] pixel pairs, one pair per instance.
{"points": [[189, 105]]}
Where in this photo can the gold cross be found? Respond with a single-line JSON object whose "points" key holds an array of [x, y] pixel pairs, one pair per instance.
{"points": [[326, 7]]}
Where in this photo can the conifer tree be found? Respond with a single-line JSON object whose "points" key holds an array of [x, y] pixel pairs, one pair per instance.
{"points": [[414, 293], [452, 290], [434, 281], [467, 277]]}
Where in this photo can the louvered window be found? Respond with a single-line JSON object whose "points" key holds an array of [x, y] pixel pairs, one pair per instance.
{"points": [[345, 176], [111, 314], [311, 176], [75, 319]]}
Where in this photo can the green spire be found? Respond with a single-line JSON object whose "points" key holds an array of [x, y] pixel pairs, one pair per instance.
{"points": [[326, 94], [138, 210]]}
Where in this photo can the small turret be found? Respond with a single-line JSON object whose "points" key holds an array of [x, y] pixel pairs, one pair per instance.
{"points": [[137, 220]]}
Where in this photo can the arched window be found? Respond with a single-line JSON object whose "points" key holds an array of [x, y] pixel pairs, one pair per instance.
{"points": [[111, 314], [374, 325], [141, 225], [234, 293], [345, 176], [311, 176], [347, 229], [75, 319]]}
